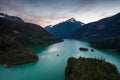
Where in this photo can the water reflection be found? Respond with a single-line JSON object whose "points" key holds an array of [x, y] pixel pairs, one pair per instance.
{"points": [[53, 49]]}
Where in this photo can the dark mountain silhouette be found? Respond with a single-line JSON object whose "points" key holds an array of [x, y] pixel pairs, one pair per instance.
{"points": [[104, 28], [64, 29], [26, 33], [13, 18]]}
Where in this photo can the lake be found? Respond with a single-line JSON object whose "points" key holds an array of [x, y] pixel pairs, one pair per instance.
{"points": [[52, 61]]}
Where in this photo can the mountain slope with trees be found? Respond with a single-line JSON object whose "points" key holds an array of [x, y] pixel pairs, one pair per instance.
{"points": [[16, 37], [104, 28], [90, 69]]}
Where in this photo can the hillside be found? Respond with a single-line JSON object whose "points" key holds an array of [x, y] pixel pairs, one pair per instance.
{"points": [[26, 33], [111, 44], [104, 28], [90, 69], [13, 53]]}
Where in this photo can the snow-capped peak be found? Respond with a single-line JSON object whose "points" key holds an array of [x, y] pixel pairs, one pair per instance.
{"points": [[71, 20]]}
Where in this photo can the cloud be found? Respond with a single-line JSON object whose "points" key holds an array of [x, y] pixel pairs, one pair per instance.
{"points": [[50, 11], [105, 14]]}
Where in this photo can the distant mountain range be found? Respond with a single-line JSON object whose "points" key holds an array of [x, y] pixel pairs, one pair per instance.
{"points": [[64, 29], [104, 28]]}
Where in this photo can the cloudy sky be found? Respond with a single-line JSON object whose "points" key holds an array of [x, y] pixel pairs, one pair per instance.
{"points": [[50, 12]]}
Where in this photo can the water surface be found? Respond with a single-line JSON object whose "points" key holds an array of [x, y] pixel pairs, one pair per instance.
{"points": [[50, 66]]}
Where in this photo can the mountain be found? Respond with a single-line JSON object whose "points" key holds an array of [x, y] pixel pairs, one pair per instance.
{"points": [[26, 33], [48, 28], [104, 28], [16, 37], [64, 29], [13, 18]]}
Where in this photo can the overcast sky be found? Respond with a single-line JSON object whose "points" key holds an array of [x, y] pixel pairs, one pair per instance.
{"points": [[50, 12]]}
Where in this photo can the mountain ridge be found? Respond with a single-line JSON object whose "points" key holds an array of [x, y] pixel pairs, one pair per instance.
{"points": [[106, 27], [13, 18], [64, 29]]}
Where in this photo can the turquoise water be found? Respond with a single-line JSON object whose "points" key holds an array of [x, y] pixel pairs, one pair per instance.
{"points": [[50, 66]]}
